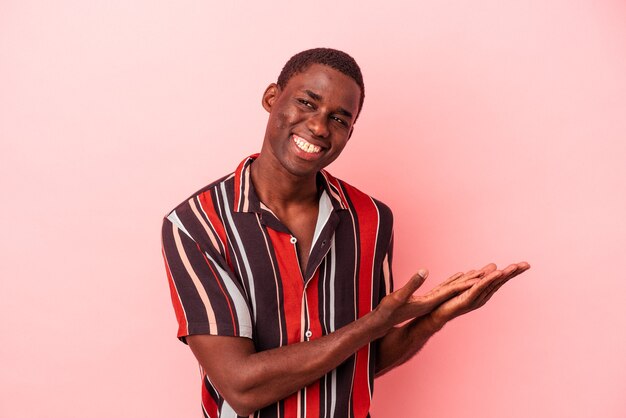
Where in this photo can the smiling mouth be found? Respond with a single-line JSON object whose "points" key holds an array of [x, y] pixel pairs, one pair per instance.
{"points": [[306, 146]]}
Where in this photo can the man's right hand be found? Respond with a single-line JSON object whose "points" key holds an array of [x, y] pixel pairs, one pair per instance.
{"points": [[402, 305], [460, 294]]}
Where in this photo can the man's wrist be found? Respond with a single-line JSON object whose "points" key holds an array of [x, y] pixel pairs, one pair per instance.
{"points": [[378, 323]]}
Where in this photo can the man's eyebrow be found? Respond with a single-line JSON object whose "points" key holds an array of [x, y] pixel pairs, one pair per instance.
{"points": [[344, 112], [312, 95], [317, 97]]}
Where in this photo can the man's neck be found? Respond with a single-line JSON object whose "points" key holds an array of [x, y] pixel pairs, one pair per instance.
{"points": [[280, 190]]}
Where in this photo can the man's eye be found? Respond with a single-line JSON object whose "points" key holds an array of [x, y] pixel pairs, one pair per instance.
{"points": [[306, 103], [343, 122]]}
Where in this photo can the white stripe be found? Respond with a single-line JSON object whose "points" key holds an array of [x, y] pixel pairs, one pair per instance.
{"points": [[242, 312], [304, 313], [369, 346], [324, 275], [299, 414], [333, 394], [173, 218], [236, 257], [333, 190], [374, 254], [227, 411], [325, 209], [245, 187], [331, 286], [242, 250]]}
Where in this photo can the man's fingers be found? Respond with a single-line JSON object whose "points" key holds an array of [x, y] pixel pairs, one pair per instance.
{"points": [[472, 274], [452, 278], [512, 268], [489, 268], [490, 291], [495, 283], [482, 290], [462, 277], [485, 282], [515, 269]]}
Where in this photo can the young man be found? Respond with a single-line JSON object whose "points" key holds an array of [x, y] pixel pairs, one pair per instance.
{"points": [[280, 274]]}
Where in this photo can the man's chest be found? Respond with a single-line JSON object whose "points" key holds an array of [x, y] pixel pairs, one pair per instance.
{"points": [[339, 284]]}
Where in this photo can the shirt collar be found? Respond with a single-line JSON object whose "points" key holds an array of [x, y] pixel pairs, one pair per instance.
{"points": [[246, 199]]}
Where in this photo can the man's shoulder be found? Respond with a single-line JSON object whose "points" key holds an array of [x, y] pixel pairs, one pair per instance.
{"points": [[201, 194], [354, 197]]}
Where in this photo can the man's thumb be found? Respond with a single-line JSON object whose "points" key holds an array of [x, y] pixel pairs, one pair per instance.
{"points": [[415, 282]]}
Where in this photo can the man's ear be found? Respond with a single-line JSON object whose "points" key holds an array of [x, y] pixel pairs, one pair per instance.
{"points": [[270, 95]]}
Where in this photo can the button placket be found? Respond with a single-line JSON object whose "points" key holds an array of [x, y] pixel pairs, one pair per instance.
{"points": [[306, 318]]}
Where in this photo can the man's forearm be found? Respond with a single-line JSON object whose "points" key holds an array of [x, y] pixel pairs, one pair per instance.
{"points": [[258, 379], [400, 344]]}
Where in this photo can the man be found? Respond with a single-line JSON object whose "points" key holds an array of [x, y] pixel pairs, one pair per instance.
{"points": [[280, 273]]}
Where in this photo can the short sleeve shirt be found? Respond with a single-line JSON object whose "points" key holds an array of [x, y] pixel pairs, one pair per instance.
{"points": [[233, 270]]}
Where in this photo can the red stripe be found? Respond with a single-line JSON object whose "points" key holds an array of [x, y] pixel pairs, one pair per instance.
{"points": [[313, 400], [208, 402], [206, 201], [312, 297], [293, 288], [368, 228], [238, 173], [291, 278], [291, 406], [337, 185]]}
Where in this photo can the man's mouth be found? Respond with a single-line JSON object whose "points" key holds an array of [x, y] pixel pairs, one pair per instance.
{"points": [[306, 146]]}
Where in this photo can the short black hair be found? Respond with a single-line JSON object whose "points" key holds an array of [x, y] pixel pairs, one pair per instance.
{"points": [[333, 58]]}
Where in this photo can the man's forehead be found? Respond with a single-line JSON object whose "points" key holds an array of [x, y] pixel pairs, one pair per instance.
{"points": [[324, 80]]}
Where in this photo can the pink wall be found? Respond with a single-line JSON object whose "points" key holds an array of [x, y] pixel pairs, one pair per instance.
{"points": [[502, 125]]}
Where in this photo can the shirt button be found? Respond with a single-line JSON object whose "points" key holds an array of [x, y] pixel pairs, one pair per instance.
{"points": [[293, 240], [308, 334]]}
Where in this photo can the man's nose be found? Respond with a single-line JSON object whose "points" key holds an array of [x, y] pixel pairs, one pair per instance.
{"points": [[318, 125]]}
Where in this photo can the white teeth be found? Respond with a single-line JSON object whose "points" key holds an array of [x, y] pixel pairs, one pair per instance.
{"points": [[306, 146]]}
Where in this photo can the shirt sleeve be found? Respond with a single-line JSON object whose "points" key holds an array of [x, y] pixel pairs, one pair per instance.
{"points": [[206, 295]]}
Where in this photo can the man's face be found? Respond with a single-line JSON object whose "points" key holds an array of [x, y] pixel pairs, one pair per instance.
{"points": [[311, 119]]}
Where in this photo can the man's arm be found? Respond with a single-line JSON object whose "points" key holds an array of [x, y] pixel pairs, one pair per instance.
{"points": [[402, 343], [250, 380]]}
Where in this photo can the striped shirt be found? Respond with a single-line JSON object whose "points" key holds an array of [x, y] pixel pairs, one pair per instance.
{"points": [[233, 270]]}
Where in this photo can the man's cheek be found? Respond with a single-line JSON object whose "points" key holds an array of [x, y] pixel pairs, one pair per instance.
{"points": [[287, 118]]}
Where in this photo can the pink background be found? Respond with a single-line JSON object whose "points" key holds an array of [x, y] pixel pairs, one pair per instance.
{"points": [[501, 125]]}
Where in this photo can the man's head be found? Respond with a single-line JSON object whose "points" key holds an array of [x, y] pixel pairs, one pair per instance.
{"points": [[333, 58], [312, 116]]}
